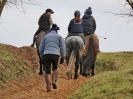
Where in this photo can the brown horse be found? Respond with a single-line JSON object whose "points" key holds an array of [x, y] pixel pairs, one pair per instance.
{"points": [[39, 37], [90, 56]]}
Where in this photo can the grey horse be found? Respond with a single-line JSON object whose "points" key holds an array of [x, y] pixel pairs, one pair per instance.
{"points": [[74, 45], [39, 37]]}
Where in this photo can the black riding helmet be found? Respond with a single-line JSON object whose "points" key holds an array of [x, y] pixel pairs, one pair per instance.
{"points": [[49, 10], [77, 13]]}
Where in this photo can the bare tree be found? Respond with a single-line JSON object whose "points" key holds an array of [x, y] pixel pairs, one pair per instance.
{"points": [[15, 3], [130, 2], [2, 4]]}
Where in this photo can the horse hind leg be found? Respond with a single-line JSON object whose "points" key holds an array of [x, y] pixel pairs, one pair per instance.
{"points": [[76, 69], [41, 71], [70, 63], [92, 70], [40, 62], [78, 62]]}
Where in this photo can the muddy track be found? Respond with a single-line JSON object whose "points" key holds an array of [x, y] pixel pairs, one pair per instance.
{"points": [[34, 87]]}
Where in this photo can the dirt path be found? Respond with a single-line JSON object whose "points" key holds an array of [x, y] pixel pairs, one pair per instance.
{"points": [[34, 87]]}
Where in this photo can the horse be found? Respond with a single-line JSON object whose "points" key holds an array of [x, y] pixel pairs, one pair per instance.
{"points": [[90, 58], [38, 40], [74, 51]]}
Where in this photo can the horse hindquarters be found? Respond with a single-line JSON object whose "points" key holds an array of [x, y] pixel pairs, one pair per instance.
{"points": [[74, 46]]}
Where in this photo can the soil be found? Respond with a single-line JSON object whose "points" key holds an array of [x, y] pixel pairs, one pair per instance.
{"points": [[33, 87]]}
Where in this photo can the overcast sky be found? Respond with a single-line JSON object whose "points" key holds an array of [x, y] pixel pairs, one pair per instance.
{"points": [[17, 28]]}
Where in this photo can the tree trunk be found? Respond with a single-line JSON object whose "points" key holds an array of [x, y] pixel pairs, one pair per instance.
{"points": [[130, 3], [2, 4]]}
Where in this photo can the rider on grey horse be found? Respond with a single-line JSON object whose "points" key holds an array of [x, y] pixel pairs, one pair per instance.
{"points": [[76, 25], [75, 30]]}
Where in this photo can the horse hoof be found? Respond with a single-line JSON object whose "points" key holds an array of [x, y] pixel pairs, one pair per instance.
{"points": [[75, 76], [84, 74], [40, 73], [93, 74], [69, 76]]}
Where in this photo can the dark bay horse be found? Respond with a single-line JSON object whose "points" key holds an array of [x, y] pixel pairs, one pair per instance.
{"points": [[90, 58], [39, 37], [74, 45]]}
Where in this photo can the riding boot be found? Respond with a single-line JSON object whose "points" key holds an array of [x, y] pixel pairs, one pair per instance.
{"points": [[54, 78], [48, 82], [34, 39]]}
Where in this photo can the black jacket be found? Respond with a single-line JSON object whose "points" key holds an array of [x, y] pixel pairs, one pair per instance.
{"points": [[89, 24], [44, 22]]}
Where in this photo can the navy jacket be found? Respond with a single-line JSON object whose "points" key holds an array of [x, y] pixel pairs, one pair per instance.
{"points": [[75, 27]]}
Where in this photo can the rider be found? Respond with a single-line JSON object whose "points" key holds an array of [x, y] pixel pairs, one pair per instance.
{"points": [[51, 47], [75, 28], [44, 22], [76, 25], [89, 26]]}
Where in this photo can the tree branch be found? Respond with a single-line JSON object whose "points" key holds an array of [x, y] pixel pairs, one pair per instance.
{"points": [[130, 3], [122, 14], [2, 4]]}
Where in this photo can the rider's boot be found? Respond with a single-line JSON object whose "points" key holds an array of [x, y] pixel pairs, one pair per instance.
{"points": [[54, 78], [32, 45], [48, 82]]}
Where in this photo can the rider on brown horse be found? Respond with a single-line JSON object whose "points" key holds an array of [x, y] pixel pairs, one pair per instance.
{"points": [[92, 41]]}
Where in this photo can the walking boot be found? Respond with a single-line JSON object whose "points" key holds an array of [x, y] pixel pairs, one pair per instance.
{"points": [[48, 82], [54, 79]]}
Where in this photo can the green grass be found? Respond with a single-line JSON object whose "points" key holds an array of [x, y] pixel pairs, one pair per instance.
{"points": [[114, 78], [12, 66]]}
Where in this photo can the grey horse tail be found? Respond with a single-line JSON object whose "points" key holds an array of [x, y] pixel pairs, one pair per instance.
{"points": [[76, 47]]}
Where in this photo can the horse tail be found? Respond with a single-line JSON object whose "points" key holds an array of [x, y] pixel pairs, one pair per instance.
{"points": [[76, 47]]}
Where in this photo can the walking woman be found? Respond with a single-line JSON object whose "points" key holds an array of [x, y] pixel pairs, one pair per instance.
{"points": [[51, 47]]}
